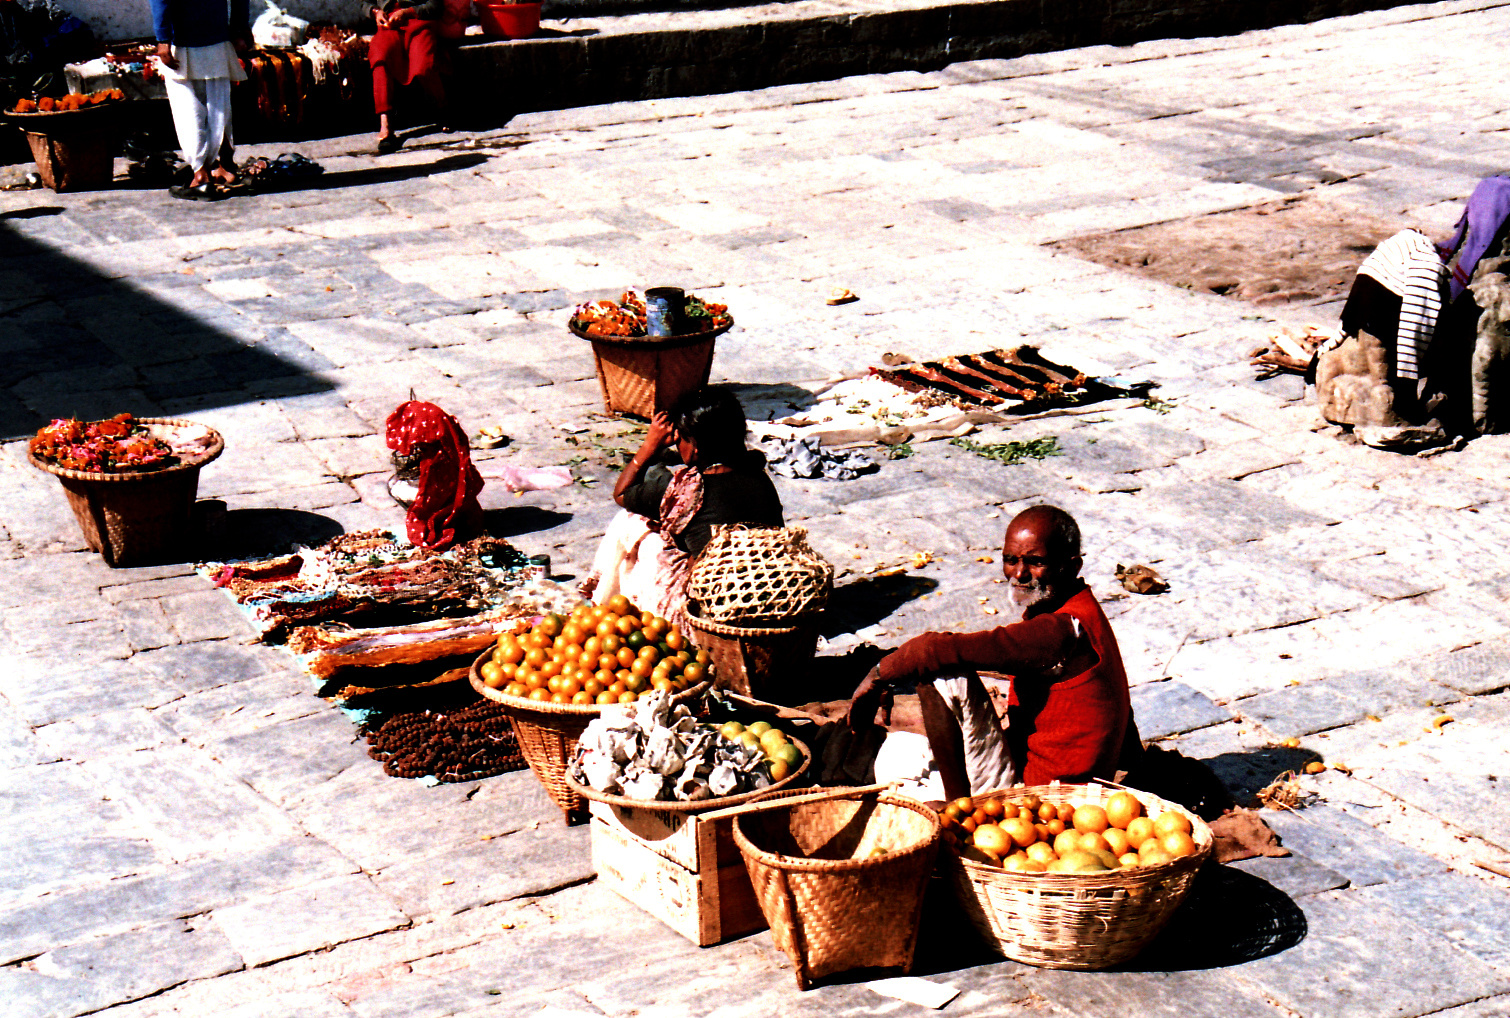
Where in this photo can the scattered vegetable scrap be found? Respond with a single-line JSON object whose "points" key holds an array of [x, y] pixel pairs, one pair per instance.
{"points": [[1141, 579]]}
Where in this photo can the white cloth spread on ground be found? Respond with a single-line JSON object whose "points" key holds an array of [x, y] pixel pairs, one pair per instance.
{"points": [[199, 94], [907, 758], [1407, 264]]}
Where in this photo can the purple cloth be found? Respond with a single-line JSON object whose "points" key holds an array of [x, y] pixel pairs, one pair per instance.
{"points": [[1482, 219]]}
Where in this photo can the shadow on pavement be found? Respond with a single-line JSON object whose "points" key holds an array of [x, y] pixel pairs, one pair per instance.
{"points": [[378, 175], [259, 533], [77, 342], [1244, 774], [32, 213], [869, 600], [1229, 917], [512, 521]]}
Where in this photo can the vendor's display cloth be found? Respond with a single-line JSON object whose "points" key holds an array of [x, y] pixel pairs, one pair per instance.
{"points": [[370, 616], [377, 575], [903, 400], [381, 626], [445, 509]]}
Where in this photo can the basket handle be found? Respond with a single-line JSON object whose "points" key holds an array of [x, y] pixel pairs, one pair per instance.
{"points": [[761, 805]]}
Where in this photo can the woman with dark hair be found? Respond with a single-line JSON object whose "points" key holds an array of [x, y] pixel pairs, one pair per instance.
{"points": [[692, 473]]}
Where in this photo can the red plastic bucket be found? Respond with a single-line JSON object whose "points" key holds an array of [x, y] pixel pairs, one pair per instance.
{"points": [[508, 21]]}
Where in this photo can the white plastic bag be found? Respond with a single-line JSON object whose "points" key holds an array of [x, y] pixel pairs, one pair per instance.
{"points": [[276, 28]]}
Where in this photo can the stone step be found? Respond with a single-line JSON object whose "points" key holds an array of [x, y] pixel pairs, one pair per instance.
{"points": [[582, 61]]}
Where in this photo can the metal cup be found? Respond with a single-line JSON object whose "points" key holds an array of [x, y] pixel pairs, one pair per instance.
{"points": [[663, 310]]}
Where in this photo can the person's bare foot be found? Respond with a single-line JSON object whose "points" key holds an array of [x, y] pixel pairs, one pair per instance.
{"points": [[224, 176]]}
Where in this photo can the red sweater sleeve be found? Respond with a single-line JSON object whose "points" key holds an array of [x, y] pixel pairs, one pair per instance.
{"points": [[1032, 646]]}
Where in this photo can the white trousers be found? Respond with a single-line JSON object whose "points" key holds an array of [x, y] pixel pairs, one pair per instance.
{"points": [[907, 757], [201, 116]]}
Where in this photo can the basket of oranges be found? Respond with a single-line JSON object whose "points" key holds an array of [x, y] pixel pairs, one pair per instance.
{"points": [[1071, 876], [553, 678]]}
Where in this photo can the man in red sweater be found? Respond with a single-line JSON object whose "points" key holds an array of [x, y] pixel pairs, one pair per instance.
{"points": [[1068, 716]]}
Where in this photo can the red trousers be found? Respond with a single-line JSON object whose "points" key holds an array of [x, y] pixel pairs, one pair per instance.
{"points": [[402, 56]]}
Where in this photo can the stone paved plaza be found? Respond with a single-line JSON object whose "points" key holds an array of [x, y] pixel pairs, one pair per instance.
{"points": [[189, 831]]}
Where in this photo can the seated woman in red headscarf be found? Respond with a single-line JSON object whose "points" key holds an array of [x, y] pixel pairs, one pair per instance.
{"points": [[692, 472], [406, 50]]}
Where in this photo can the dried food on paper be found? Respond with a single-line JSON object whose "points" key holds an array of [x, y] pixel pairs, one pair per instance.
{"points": [[659, 751], [906, 400]]}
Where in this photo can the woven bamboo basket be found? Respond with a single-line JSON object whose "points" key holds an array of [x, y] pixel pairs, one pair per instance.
{"points": [[841, 881], [137, 517], [548, 733], [641, 375], [701, 805], [73, 149], [766, 662], [1076, 920], [759, 573]]}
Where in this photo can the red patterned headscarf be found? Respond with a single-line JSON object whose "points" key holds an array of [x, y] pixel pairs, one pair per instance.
{"points": [[446, 509]]}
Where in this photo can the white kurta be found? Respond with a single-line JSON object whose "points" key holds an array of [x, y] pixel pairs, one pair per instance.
{"points": [[199, 94]]}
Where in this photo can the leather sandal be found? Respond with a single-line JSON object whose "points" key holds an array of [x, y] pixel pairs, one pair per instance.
{"points": [[196, 192], [388, 145]]}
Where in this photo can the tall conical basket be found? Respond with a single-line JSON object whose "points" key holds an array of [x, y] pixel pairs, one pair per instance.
{"points": [[841, 881]]}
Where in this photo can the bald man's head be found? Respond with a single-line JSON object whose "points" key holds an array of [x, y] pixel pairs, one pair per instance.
{"points": [[1058, 528], [1040, 555]]}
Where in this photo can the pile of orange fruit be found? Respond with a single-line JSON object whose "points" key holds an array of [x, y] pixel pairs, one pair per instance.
{"points": [[1029, 835], [608, 653]]}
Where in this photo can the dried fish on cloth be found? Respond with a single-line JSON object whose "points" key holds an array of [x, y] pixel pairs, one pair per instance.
{"points": [[659, 751]]}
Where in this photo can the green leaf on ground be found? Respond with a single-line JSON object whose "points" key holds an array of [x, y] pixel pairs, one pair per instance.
{"points": [[1009, 453]]}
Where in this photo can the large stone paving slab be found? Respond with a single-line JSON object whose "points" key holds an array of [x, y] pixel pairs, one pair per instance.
{"points": [[302, 919], [1335, 969]]}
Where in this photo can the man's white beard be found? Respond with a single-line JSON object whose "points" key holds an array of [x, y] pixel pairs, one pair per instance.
{"points": [[1025, 595]]}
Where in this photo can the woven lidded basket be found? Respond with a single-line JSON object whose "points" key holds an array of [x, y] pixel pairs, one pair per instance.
{"points": [[841, 881], [548, 733], [140, 516], [768, 573], [1076, 920]]}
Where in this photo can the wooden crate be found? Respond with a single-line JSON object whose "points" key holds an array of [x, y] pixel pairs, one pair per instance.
{"points": [[682, 869]]}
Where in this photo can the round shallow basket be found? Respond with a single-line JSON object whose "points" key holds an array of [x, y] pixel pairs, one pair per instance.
{"points": [[137, 517], [1076, 920], [548, 732], [841, 881], [766, 662], [701, 805], [642, 375]]}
